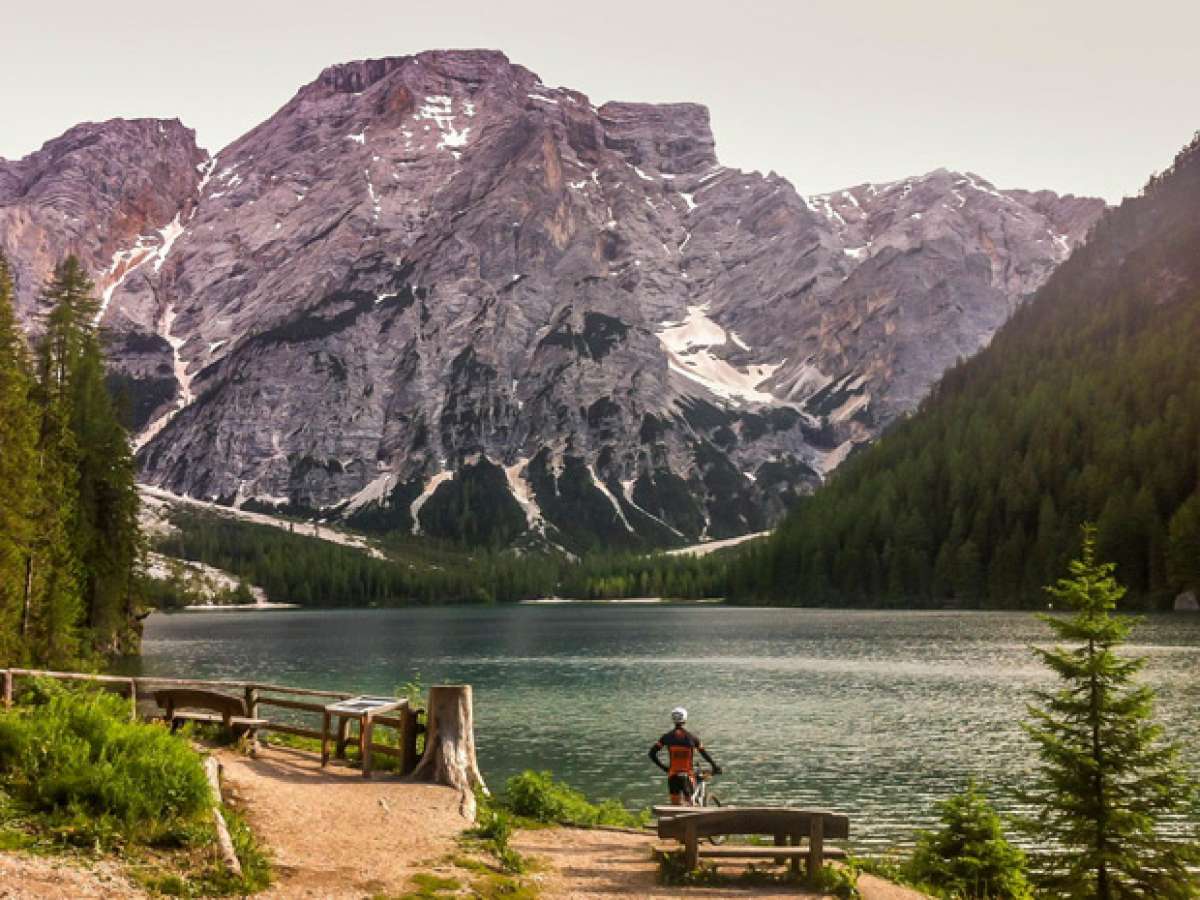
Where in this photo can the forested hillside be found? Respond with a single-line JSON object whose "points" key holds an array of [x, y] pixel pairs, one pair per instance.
{"points": [[69, 539], [1086, 406]]}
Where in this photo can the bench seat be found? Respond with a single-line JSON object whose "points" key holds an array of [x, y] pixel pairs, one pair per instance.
{"points": [[218, 719]]}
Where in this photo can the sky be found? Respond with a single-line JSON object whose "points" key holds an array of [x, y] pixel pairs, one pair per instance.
{"points": [[1080, 97]]}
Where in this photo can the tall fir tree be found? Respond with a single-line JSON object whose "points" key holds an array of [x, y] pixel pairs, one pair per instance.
{"points": [[91, 540], [18, 471], [106, 533], [1108, 777]]}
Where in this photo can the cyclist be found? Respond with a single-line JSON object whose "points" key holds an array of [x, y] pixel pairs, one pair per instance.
{"points": [[681, 747]]}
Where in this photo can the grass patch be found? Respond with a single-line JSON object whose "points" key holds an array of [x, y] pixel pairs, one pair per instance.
{"points": [[537, 797], [77, 775], [431, 887], [493, 830], [97, 779]]}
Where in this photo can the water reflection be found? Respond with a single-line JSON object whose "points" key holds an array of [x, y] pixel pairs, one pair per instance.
{"points": [[875, 713]]}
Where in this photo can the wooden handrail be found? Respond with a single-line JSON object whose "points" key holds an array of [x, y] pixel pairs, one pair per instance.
{"points": [[406, 722]]}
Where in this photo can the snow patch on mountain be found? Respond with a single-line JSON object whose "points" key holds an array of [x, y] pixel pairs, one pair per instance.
{"points": [[690, 344], [415, 509]]}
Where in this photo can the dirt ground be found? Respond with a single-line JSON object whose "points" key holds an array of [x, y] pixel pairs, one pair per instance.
{"points": [[24, 877], [616, 866], [334, 835]]}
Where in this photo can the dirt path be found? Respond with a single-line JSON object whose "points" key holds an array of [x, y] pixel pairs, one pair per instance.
{"points": [[616, 865], [333, 834]]}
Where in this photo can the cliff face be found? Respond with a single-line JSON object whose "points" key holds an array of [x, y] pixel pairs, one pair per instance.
{"points": [[106, 192], [432, 293]]}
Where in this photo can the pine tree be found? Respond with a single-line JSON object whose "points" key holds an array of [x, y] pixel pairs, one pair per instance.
{"points": [[1107, 776], [18, 484], [52, 608], [969, 856], [1183, 553], [104, 529]]}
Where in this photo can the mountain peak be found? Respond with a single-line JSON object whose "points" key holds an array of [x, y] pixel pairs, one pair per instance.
{"points": [[433, 280]]}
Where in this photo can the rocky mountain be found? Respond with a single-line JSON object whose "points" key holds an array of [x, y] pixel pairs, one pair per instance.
{"points": [[432, 293], [1084, 408], [111, 193]]}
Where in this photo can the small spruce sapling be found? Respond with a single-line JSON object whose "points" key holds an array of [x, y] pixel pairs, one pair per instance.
{"points": [[1107, 778]]}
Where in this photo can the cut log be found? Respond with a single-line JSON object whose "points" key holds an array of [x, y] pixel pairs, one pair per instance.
{"points": [[212, 768], [450, 744]]}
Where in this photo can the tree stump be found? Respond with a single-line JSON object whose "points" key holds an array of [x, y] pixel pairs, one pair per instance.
{"points": [[450, 744]]}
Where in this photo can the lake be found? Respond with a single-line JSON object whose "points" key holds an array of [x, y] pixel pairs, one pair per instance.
{"points": [[876, 714]]}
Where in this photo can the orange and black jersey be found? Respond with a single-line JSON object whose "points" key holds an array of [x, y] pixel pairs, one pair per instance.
{"points": [[681, 746]]}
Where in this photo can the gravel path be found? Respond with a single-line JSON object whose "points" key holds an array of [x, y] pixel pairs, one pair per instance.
{"points": [[333, 834], [336, 836], [616, 865]]}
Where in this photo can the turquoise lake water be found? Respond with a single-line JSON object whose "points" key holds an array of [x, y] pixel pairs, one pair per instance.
{"points": [[876, 714]]}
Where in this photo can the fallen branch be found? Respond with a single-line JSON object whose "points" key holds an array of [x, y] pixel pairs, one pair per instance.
{"points": [[212, 769]]}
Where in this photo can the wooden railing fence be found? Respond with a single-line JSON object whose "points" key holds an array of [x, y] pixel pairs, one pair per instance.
{"points": [[406, 721]]}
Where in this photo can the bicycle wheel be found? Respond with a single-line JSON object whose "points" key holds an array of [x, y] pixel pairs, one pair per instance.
{"points": [[711, 800]]}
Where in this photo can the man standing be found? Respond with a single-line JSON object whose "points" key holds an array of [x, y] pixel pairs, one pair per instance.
{"points": [[681, 746]]}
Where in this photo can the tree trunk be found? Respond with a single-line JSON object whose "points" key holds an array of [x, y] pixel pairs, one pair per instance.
{"points": [[450, 744]]}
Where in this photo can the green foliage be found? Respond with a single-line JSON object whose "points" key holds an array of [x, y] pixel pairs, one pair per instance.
{"points": [[603, 576], [429, 886], [494, 828], [835, 881], [97, 777], [830, 880], [1107, 776], [256, 865], [538, 797], [18, 473], [1085, 406], [311, 572], [185, 585], [1183, 546], [69, 538], [969, 856]]}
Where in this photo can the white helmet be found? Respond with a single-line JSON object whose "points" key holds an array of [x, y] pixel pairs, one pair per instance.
{"points": [[679, 715]]}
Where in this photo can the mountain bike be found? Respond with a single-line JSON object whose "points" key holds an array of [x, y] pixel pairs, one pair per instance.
{"points": [[702, 796]]}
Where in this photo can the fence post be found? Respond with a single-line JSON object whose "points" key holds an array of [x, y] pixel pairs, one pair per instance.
{"points": [[408, 739], [8, 688], [133, 700], [251, 701]]}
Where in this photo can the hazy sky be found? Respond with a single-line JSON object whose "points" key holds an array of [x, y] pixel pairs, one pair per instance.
{"points": [[1087, 96]]}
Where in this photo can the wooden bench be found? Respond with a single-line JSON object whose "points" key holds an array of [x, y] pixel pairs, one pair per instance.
{"points": [[179, 705], [689, 825]]}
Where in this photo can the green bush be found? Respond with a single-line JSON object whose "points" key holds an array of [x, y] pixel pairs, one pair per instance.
{"points": [[495, 828], [537, 796], [969, 855], [76, 758]]}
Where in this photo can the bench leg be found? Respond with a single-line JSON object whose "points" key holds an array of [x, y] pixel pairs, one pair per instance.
{"points": [[342, 736], [365, 731], [816, 846], [325, 739], [691, 848], [781, 840]]}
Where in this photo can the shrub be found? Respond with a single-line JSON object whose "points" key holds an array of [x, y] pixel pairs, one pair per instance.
{"points": [[495, 828], [78, 759], [969, 856], [537, 796]]}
